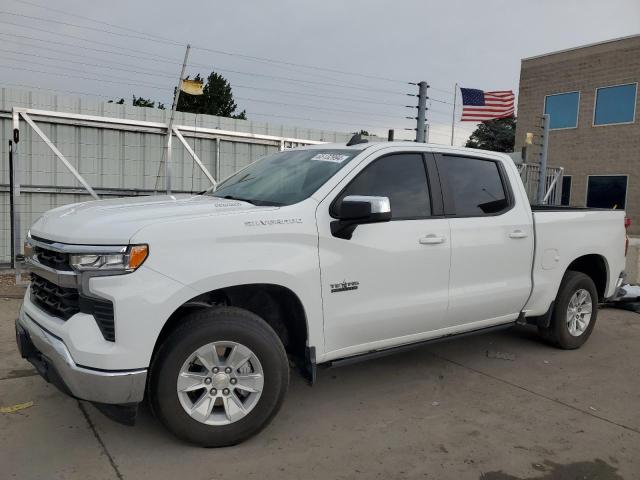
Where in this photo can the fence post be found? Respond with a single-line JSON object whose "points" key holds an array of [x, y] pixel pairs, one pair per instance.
{"points": [[542, 179], [11, 207]]}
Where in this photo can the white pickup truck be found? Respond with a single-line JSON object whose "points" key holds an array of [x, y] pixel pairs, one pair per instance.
{"points": [[314, 256]]}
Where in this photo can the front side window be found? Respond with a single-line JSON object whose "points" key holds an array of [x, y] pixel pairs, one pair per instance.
{"points": [[474, 186], [615, 104], [607, 191], [400, 177], [284, 178], [562, 109]]}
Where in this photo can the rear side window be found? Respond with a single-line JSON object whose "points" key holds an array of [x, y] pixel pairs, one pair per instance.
{"points": [[402, 178], [475, 186]]}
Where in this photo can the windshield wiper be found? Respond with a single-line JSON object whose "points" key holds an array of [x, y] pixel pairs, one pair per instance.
{"points": [[260, 203], [232, 197]]}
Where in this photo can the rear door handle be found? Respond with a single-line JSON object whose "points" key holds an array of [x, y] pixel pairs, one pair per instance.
{"points": [[518, 234], [432, 239]]}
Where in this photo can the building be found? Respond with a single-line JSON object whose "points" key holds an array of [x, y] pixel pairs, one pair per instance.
{"points": [[591, 96]]}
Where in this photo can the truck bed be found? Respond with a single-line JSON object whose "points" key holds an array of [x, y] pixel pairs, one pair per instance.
{"points": [[560, 239]]}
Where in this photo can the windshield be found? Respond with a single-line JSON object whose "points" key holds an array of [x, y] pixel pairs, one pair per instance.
{"points": [[284, 178]]}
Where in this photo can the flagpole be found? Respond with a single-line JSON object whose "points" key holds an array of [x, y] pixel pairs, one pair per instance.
{"points": [[453, 116], [167, 165]]}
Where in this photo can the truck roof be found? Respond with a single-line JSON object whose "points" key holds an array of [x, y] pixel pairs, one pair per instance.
{"points": [[428, 146]]}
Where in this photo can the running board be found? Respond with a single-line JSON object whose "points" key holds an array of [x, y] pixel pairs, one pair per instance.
{"points": [[411, 346]]}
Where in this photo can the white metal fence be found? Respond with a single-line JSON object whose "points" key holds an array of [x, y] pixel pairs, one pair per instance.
{"points": [[119, 151], [530, 174]]}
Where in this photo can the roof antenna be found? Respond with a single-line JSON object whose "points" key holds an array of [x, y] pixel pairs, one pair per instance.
{"points": [[356, 139]]}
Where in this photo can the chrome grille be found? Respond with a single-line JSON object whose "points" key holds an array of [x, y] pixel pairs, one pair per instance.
{"points": [[52, 259]]}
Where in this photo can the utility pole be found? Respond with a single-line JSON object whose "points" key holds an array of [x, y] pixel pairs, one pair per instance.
{"points": [[453, 115], [167, 165], [422, 112], [542, 178]]}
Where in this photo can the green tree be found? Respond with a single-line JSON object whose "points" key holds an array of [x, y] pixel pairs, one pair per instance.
{"points": [[139, 102], [498, 135], [216, 100], [142, 102], [146, 102]]}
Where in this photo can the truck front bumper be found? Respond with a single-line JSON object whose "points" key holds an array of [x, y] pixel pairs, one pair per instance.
{"points": [[52, 359]]}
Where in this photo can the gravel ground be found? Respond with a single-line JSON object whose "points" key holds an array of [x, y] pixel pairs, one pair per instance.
{"points": [[8, 287]]}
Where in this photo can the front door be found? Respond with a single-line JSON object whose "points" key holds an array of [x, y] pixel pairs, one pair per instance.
{"points": [[388, 284]]}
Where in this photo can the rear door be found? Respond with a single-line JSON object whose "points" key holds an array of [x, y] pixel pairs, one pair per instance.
{"points": [[491, 241]]}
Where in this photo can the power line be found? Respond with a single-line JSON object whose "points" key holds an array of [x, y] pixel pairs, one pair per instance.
{"points": [[353, 124], [103, 63], [440, 101], [288, 92], [165, 40], [320, 108], [37, 5], [130, 67], [75, 69], [298, 80], [223, 52], [167, 75], [75, 92], [106, 31], [158, 87], [312, 67], [113, 52], [125, 81], [115, 81], [60, 22], [163, 59], [450, 92], [83, 39]]}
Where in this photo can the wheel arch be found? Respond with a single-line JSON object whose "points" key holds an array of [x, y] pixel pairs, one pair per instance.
{"points": [[279, 306], [595, 266]]}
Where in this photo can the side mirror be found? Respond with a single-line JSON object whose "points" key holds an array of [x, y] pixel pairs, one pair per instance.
{"points": [[358, 209]]}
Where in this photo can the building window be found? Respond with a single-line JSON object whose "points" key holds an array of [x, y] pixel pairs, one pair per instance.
{"points": [[563, 109], [566, 190], [607, 191], [615, 104]]}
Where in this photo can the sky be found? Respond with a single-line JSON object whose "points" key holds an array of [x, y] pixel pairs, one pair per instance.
{"points": [[339, 65]]}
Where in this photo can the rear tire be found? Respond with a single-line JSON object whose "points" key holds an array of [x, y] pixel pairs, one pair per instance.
{"points": [[574, 313], [219, 378]]}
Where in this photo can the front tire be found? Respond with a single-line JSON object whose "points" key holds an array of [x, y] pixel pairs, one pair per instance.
{"points": [[574, 313], [219, 378]]}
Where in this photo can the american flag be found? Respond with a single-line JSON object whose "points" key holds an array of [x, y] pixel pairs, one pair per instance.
{"points": [[478, 106]]}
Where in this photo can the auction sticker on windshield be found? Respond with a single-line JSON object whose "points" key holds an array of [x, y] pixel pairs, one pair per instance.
{"points": [[330, 157]]}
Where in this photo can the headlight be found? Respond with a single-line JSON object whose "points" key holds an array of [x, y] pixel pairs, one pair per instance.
{"points": [[118, 262]]}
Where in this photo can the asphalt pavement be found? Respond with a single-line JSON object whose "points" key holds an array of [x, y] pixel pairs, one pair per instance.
{"points": [[500, 406]]}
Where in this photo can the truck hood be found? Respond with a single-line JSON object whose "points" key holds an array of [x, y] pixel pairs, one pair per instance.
{"points": [[109, 222]]}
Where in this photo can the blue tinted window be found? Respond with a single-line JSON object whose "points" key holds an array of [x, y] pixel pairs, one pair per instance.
{"points": [[615, 104], [563, 109]]}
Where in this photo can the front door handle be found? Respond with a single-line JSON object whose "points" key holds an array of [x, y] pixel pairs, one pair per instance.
{"points": [[518, 234], [432, 239]]}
